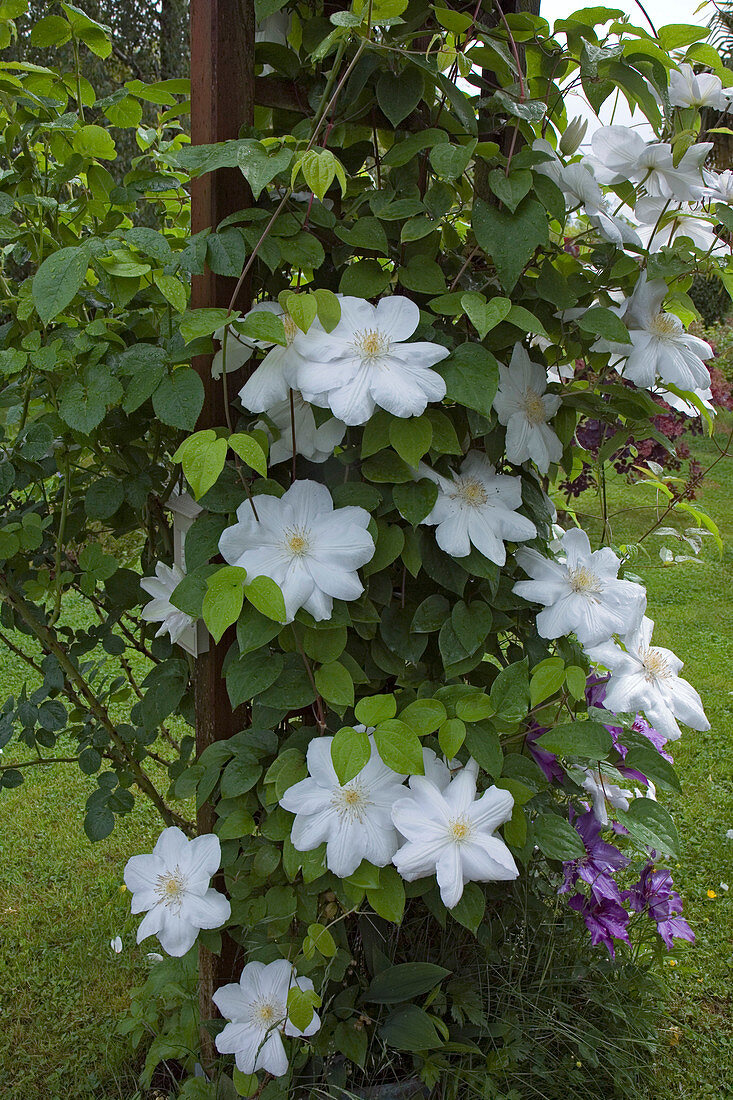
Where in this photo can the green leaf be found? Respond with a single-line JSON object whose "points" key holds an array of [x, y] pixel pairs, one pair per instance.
{"points": [[451, 737], [475, 707], [484, 315], [510, 238], [472, 377], [259, 165], [251, 450], [414, 501], [224, 598], [398, 94], [588, 740], [335, 685], [96, 142], [374, 709], [350, 751], [263, 325], [364, 279], [83, 400], [319, 167], [411, 438], [575, 681], [470, 909], [202, 322], [604, 322], [388, 899], [240, 775], [654, 767], [301, 1005], [451, 161], [675, 35], [399, 747], [52, 30], [410, 1028], [104, 497], [556, 838], [424, 716], [510, 189], [57, 281], [510, 692], [251, 674], [482, 741], [179, 399], [202, 457], [172, 290], [651, 825], [431, 614], [246, 1084], [404, 982], [267, 597], [163, 689], [547, 678], [328, 308], [471, 623], [319, 939]]}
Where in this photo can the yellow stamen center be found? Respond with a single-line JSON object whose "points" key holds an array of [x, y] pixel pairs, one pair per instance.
{"points": [[297, 541], [534, 408], [351, 801], [460, 830], [584, 581], [470, 491], [666, 325], [655, 665], [290, 327], [267, 1014], [171, 887], [371, 344]]}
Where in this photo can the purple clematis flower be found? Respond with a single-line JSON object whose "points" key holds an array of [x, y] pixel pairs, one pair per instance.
{"points": [[657, 739], [604, 918], [546, 761], [655, 894], [598, 865]]}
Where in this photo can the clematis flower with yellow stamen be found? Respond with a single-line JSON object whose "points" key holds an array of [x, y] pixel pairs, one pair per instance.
{"points": [[582, 595], [256, 1010], [523, 406], [171, 886], [309, 548]]}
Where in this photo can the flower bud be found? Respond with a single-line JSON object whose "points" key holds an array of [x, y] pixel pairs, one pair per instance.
{"points": [[573, 136]]}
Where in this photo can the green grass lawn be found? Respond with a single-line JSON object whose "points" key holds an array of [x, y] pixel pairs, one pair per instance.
{"points": [[61, 900]]}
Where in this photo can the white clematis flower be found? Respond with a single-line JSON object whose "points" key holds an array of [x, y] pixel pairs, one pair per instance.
{"points": [[662, 222], [477, 507], [523, 406], [366, 361], [620, 154], [172, 620], [239, 350], [660, 347], [309, 548], [256, 1008], [582, 595], [450, 832], [172, 884], [719, 186], [353, 818], [271, 382], [645, 677], [690, 89], [312, 442], [603, 792]]}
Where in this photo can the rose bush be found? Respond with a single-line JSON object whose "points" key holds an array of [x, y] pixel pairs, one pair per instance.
{"points": [[416, 650]]}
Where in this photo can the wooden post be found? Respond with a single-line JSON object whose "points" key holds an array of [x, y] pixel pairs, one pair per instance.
{"points": [[222, 101]]}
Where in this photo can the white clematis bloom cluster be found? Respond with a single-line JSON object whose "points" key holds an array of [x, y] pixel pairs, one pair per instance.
{"points": [[522, 404], [172, 620], [172, 887], [477, 507], [690, 89], [582, 595], [309, 548], [256, 1008], [645, 677]]}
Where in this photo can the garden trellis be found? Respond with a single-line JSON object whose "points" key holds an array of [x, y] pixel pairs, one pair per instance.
{"points": [[426, 704]]}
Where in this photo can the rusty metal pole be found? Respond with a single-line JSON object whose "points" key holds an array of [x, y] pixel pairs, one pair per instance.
{"points": [[222, 101]]}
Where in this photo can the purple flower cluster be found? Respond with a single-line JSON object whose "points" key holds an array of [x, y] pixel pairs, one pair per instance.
{"points": [[604, 915], [654, 893]]}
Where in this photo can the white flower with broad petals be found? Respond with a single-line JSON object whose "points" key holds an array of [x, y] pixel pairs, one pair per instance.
{"points": [[719, 186], [312, 442], [256, 1008], [271, 382], [171, 886], [367, 362], [172, 620], [309, 548], [235, 351], [477, 507], [450, 832], [603, 792], [580, 188], [582, 595], [660, 347], [662, 223], [704, 396], [690, 89], [352, 818], [620, 154], [645, 677], [523, 406]]}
